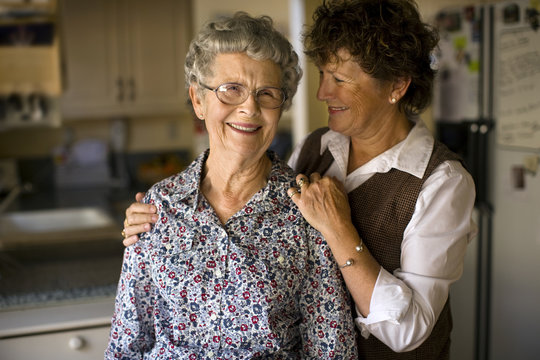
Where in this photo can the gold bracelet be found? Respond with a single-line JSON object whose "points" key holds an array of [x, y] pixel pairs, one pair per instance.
{"points": [[359, 248]]}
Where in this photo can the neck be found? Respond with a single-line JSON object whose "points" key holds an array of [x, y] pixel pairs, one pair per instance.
{"points": [[372, 143], [228, 183]]}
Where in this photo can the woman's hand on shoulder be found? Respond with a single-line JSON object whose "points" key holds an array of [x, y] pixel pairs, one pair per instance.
{"points": [[323, 202], [139, 219]]}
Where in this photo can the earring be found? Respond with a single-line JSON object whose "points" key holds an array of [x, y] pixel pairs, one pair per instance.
{"points": [[393, 100]]}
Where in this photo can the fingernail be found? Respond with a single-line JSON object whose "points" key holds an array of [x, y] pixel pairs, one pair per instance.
{"points": [[154, 218]]}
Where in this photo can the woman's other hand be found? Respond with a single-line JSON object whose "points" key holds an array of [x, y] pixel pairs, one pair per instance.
{"points": [[139, 219]]}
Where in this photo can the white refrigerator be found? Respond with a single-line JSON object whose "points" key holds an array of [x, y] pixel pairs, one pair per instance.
{"points": [[487, 108]]}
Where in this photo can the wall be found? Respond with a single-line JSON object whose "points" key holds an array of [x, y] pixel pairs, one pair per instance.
{"points": [[204, 10], [172, 133], [317, 111]]}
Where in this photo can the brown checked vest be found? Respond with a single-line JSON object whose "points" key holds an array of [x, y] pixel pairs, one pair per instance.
{"points": [[381, 210]]}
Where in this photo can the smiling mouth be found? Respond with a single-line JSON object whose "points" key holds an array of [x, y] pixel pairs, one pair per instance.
{"points": [[336, 108], [250, 129]]}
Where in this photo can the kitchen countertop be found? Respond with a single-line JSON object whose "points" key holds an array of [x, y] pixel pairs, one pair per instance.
{"points": [[56, 318], [112, 202], [111, 199]]}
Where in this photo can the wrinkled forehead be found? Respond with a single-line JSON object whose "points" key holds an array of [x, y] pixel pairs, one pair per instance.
{"points": [[246, 70]]}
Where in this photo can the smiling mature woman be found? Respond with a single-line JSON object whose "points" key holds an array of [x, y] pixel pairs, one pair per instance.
{"points": [[231, 269]]}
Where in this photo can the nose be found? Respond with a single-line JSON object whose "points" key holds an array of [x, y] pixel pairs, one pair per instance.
{"points": [[250, 106], [325, 89]]}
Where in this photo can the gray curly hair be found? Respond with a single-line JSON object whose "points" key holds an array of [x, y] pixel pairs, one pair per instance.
{"points": [[243, 33]]}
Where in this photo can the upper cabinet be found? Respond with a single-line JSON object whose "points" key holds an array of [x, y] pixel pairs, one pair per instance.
{"points": [[124, 57], [29, 55], [30, 80]]}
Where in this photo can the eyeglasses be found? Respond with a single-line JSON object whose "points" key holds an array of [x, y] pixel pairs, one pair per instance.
{"points": [[235, 94]]}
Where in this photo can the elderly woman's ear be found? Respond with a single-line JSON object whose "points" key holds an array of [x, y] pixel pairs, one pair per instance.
{"points": [[196, 101]]}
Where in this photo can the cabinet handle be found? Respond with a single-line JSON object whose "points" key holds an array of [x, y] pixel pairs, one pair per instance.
{"points": [[132, 89], [120, 85], [76, 343]]}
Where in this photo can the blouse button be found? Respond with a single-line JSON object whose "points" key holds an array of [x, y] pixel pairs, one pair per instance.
{"points": [[168, 246], [218, 273], [281, 259], [213, 317]]}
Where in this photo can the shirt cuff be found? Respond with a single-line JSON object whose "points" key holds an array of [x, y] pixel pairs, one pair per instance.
{"points": [[390, 301]]}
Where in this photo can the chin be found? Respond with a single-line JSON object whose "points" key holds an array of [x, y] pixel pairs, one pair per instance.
{"points": [[333, 125], [250, 151]]}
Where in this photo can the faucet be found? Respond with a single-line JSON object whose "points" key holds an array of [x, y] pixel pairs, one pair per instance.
{"points": [[118, 131], [12, 195]]}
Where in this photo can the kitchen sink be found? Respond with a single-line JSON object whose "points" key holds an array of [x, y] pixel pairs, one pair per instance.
{"points": [[43, 228], [56, 256], [55, 220]]}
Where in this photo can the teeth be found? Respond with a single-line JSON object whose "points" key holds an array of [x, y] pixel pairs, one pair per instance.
{"points": [[248, 129]]}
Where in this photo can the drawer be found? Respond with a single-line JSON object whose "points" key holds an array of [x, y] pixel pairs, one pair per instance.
{"points": [[88, 344]]}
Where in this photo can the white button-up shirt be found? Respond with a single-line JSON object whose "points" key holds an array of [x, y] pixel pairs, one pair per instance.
{"points": [[406, 304]]}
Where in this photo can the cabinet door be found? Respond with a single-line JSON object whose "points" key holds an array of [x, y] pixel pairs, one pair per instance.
{"points": [[125, 57], [92, 77], [159, 33], [84, 344]]}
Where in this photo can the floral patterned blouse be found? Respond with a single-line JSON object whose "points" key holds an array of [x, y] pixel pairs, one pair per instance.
{"points": [[264, 285]]}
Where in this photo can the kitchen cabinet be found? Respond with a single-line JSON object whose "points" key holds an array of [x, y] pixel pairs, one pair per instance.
{"points": [[87, 344], [124, 57], [29, 49], [30, 80], [76, 331]]}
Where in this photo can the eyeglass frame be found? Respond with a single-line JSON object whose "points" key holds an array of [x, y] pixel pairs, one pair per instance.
{"points": [[250, 92]]}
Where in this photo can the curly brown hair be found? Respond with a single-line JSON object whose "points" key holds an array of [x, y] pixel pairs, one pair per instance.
{"points": [[386, 38]]}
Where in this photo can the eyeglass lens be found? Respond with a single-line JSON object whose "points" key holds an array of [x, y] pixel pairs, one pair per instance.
{"points": [[235, 94]]}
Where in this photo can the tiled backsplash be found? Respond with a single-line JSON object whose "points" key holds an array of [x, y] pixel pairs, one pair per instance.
{"points": [[40, 171], [143, 135]]}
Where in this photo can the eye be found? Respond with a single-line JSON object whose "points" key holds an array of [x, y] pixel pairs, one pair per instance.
{"points": [[231, 88], [338, 80], [269, 92], [265, 92]]}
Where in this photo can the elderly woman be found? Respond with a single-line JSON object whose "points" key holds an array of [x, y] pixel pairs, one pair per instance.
{"points": [[231, 270], [393, 203]]}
